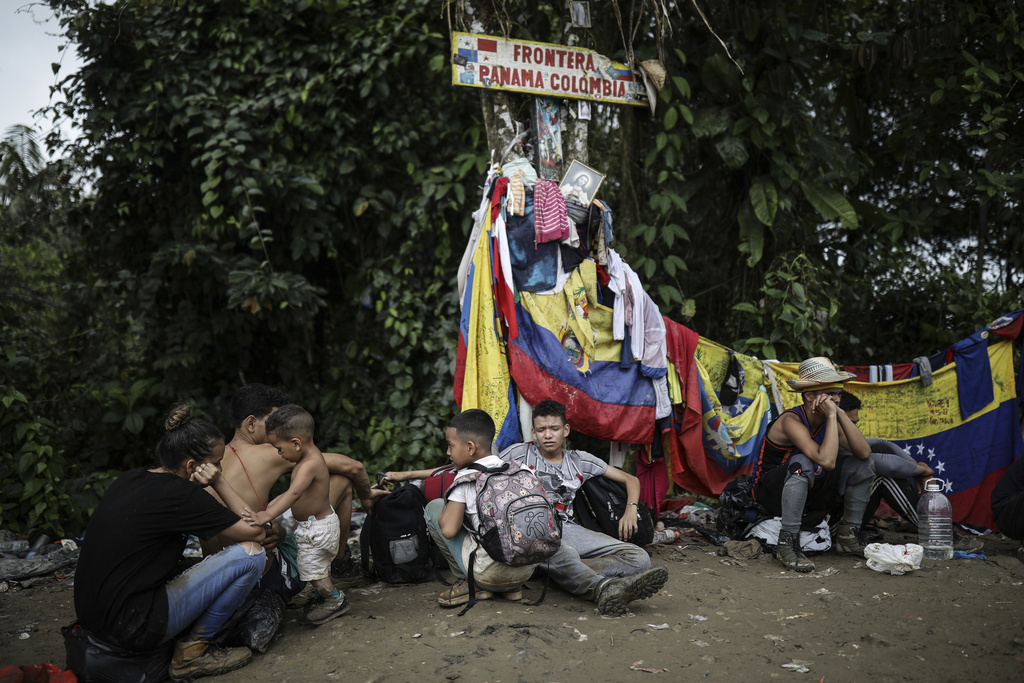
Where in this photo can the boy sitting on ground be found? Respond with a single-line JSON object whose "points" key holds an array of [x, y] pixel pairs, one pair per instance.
{"points": [[589, 564], [469, 437], [290, 431]]}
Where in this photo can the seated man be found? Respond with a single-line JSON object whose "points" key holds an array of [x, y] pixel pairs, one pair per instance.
{"points": [[251, 465], [898, 477], [589, 564], [1008, 501], [799, 469]]}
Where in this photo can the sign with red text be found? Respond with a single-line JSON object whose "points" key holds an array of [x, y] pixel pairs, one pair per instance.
{"points": [[542, 69]]}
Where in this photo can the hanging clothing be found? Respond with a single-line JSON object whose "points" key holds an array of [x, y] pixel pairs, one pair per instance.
{"points": [[551, 216]]}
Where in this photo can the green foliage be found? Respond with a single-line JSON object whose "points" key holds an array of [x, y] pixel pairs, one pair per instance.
{"points": [[281, 192], [870, 141]]}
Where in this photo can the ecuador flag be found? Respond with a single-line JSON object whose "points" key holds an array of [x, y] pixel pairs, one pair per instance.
{"points": [[565, 351]]}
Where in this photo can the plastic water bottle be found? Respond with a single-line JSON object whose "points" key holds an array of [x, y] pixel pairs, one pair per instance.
{"points": [[665, 536], [13, 546], [935, 523]]}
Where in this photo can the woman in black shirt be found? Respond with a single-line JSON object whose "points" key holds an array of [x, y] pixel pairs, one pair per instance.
{"points": [[127, 590]]}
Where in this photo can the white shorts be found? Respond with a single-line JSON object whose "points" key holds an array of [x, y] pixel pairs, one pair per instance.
{"points": [[318, 541]]}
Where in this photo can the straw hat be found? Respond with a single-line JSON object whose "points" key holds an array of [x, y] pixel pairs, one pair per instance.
{"points": [[817, 372]]}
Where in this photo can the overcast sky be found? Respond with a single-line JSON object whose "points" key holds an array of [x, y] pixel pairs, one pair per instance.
{"points": [[28, 46]]}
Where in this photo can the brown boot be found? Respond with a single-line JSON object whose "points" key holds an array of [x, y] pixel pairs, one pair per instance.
{"points": [[195, 658], [848, 540], [789, 554]]}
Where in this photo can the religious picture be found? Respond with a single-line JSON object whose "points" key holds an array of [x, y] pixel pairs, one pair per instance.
{"points": [[548, 134], [583, 112], [580, 183], [580, 12]]}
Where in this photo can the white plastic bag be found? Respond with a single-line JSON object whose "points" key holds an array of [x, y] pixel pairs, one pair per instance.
{"points": [[895, 559]]}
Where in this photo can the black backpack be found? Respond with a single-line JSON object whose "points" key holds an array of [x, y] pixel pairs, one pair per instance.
{"points": [[599, 505], [395, 536]]}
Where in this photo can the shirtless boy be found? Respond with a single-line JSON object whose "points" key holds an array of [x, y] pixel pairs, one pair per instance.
{"points": [[252, 467], [318, 534]]}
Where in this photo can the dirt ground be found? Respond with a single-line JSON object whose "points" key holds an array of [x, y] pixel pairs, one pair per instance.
{"points": [[717, 618]]}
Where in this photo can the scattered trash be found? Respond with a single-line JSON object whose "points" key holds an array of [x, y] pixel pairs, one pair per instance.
{"points": [[743, 550], [774, 639], [579, 636], [698, 617], [796, 667], [800, 616], [831, 571], [417, 635], [733, 563], [964, 555], [894, 559], [24, 636], [700, 643], [635, 666], [658, 627], [822, 591], [68, 544]]}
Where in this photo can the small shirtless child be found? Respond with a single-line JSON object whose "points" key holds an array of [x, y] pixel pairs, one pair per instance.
{"points": [[290, 431]]}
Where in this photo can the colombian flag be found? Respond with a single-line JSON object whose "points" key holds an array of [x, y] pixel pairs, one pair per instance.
{"points": [[482, 377], [565, 351]]}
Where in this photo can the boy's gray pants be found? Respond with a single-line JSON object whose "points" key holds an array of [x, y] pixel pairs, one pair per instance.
{"points": [[586, 558]]}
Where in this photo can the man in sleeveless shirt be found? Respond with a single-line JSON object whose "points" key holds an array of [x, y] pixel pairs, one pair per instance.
{"points": [[800, 475]]}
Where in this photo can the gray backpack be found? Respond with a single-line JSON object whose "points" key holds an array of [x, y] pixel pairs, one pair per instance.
{"points": [[517, 524]]}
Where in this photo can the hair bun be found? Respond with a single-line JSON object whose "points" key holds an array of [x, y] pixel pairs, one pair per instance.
{"points": [[180, 414]]}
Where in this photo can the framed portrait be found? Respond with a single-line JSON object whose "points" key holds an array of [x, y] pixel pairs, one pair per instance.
{"points": [[580, 12], [580, 183]]}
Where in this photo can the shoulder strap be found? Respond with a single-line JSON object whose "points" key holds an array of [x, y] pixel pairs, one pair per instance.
{"points": [[489, 470]]}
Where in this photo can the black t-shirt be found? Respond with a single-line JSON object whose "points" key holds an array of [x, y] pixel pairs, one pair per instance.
{"points": [[131, 550]]}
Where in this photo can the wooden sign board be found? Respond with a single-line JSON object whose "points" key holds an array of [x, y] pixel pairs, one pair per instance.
{"points": [[480, 61]]}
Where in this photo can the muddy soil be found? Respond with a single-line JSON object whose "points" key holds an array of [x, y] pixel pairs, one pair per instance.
{"points": [[717, 618]]}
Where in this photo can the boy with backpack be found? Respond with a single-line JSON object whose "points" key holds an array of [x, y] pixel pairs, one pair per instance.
{"points": [[589, 564], [455, 520]]}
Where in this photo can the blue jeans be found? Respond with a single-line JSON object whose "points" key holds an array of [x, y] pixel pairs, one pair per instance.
{"points": [[209, 593]]}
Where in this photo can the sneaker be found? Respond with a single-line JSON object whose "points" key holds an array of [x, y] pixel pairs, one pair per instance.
{"points": [[616, 594], [458, 594], [848, 540], [511, 596], [790, 555], [196, 658], [320, 610]]}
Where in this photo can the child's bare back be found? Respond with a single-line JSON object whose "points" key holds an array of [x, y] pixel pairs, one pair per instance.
{"points": [[314, 499]]}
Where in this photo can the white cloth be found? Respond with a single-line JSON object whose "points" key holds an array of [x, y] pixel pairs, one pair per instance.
{"points": [[617, 454], [318, 541]]}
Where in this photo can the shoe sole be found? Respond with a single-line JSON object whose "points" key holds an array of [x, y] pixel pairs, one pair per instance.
{"points": [[638, 587], [463, 599], [208, 672]]}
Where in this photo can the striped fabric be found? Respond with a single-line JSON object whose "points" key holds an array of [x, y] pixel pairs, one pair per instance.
{"points": [[551, 219]]}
